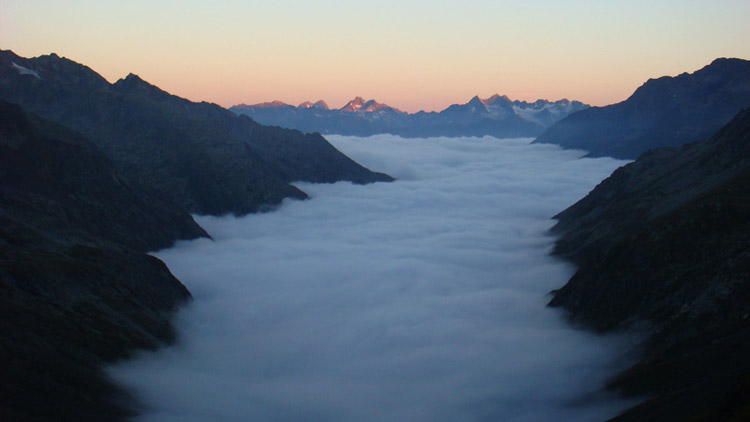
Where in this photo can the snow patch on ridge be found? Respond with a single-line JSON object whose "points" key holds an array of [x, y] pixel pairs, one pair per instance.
{"points": [[26, 71], [532, 111]]}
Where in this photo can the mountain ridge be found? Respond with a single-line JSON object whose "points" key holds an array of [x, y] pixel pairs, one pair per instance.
{"points": [[494, 116], [665, 111], [204, 157]]}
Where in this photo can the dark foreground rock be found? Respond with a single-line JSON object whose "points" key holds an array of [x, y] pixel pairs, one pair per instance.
{"points": [[76, 286], [203, 157], [668, 111], [663, 246]]}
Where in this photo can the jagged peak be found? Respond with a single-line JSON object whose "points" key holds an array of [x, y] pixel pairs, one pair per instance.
{"points": [[354, 105], [10, 53], [543, 101], [267, 104], [358, 104], [477, 103], [372, 106], [277, 103], [272, 104], [134, 83], [51, 67], [494, 99], [134, 78], [320, 104]]}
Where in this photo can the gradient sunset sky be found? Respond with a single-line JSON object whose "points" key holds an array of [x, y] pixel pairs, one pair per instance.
{"points": [[410, 54]]}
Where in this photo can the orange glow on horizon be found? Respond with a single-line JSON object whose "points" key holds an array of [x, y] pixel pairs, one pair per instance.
{"points": [[412, 55]]}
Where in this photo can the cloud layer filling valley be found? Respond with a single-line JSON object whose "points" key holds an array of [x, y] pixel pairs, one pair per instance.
{"points": [[419, 300]]}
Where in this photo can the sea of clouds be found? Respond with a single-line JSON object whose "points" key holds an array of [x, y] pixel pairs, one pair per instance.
{"points": [[418, 300]]}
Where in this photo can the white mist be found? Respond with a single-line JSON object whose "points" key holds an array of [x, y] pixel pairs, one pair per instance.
{"points": [[419, 300]]}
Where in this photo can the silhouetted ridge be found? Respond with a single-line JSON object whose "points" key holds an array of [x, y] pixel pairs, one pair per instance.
{"points": [[133, 84], [201, 156], [668, 111]]}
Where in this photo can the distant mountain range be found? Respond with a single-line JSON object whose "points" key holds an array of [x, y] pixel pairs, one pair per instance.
{"points": [[667, 111], [494, 116]]}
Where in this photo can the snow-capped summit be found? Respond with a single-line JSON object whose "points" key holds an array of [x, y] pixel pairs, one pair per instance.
{"points": [[496, 116], [359, 105], [354, 105], [545, 112], [494, 100], [320, 104]]}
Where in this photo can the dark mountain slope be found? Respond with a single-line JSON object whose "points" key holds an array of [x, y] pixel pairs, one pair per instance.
{"points": [[76, 286], [54, 174], [668, 111], [202, 156], [663, 245]]}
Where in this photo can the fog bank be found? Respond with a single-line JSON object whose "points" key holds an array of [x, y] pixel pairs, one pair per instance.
{"points": [[418, 300]]}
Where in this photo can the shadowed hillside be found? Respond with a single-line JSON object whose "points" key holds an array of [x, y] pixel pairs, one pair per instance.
{"points": [[76, 286], [205, 158], [663, 246]]}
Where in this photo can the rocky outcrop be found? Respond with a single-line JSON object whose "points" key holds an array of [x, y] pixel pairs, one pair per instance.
{"points": [[199, 155], [663, 246], [668, 111], [77, 288]]}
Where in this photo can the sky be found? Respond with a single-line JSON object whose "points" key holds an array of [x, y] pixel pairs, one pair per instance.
{"points": [[410, 54], [420, 300]]}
